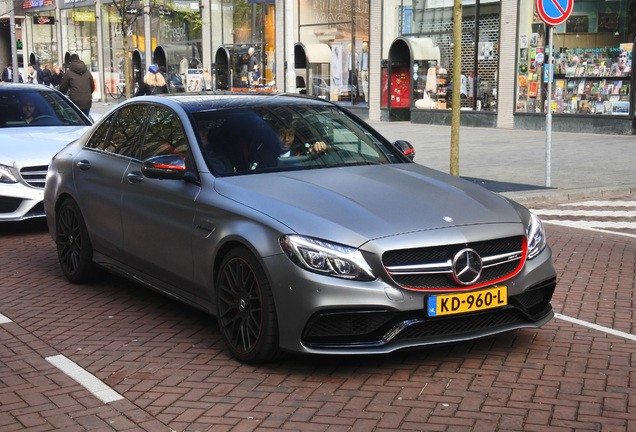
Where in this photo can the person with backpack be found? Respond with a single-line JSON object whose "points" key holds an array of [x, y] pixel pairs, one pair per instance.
{"points": [[154, 83]]}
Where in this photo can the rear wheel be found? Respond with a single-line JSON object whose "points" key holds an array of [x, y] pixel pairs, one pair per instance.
{"points": [[245, 308], [74, 248]]}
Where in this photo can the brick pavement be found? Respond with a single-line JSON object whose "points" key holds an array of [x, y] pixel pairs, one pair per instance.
{"points": [[170, 364]]}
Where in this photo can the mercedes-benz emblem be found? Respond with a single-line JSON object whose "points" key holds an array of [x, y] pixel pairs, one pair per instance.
{"points": [[467, 266]]}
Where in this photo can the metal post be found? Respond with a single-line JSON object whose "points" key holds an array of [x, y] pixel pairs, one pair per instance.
{"points": [[14, 47], [289, 47], [548, 116]]}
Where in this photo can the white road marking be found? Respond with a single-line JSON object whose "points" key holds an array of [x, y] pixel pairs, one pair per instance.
{"points": [[578, 225], [587, 213], [85, 378], [4, 319], [606, 213], [596, 327], [593, 224], [600, 204]]}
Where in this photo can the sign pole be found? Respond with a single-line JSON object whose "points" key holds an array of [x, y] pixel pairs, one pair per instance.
{"points": [[552, 13], [548, 116]]}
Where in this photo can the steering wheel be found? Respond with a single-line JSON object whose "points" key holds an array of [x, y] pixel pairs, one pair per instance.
{"points": [[42, 119]]}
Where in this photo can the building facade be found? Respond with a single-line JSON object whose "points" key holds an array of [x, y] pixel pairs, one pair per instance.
{"points": [[385, 60]]}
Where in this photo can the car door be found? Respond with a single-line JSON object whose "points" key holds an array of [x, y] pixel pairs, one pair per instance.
{"points": [[158, 215], [98, 171]]}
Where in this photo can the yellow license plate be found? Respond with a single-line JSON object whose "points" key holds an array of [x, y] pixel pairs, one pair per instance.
{"points": [[467, 302]]}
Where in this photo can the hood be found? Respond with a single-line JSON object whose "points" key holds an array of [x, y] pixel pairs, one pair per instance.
{"points": [[35, 145], [78, 66], [367, 202]]}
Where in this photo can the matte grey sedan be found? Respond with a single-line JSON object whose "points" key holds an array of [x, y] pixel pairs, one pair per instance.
{"points": [[297, 225]]}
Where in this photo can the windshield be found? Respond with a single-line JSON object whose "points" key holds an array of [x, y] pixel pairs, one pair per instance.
{"points": [[22, 108], [288, 137]]}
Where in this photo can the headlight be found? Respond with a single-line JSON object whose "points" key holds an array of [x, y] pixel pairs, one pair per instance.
{"points": [[536, 237], [6, 176], [326, 258]]}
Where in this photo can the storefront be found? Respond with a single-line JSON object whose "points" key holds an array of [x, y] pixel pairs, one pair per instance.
{"points": [[79, 35], [593, 81], [113, 35], [244, 41], [333, 45], [177, 45], [423, 86], [41, 33]]}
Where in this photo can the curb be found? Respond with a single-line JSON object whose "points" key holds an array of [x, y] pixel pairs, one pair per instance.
{"points": [[562, 195]]}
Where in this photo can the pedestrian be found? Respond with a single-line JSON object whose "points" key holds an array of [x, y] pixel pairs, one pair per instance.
{"points": [[56, 78], [207, 79], [46, 75], [31, 75], [7, 73], [78, 83], [38, 71], [154, 83]]}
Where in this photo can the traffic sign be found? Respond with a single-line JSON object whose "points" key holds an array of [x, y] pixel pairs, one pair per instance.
{"points": [[554, 12]]}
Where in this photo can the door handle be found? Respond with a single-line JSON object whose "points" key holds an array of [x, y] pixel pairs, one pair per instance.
{"points": [[135, 177], [84, 165]]}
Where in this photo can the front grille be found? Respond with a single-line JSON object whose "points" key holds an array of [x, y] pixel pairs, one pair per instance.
{"points": [[34, 176], [431, 267]]}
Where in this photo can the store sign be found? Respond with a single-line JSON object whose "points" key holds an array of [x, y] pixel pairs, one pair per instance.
{"points": [[83, 16], [37, 3], [69, 4], [554, 12], [43, 20]]}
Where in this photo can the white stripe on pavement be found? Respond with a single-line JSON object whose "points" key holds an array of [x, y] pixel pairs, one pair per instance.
{"points": [[4, 319], [588, 213], [85, 378], [596, 327], [601, 204], [590, 227]]}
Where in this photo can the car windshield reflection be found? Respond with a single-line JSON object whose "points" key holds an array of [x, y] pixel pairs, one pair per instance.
{"points": [[266, 139]]}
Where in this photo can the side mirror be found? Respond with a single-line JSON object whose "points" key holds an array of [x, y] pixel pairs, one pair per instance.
{"points": [[166, 167], [406, 148]]}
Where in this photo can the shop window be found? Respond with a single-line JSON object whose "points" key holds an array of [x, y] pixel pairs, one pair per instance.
{"points": [[432, 80], [592, 60], [342, 75]]}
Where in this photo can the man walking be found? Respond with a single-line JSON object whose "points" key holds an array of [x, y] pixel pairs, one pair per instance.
{"points": [[78, 84], [7, 73]]}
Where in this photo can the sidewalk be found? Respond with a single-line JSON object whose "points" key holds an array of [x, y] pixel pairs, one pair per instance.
{"points": [[513, 162]]}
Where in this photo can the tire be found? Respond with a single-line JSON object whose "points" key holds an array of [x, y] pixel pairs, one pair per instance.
{"points": [[245, 308], [74, 248]]}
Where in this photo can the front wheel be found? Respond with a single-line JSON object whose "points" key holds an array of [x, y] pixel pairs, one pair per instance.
{"points": [[245, 308], [74, 248]]}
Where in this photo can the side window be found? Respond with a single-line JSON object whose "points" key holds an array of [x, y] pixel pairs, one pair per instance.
{"points": [[126, 131], [164, 135], [99, 136]]}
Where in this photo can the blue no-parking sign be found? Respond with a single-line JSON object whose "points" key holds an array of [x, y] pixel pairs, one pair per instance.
{"points": [[554, 12]]}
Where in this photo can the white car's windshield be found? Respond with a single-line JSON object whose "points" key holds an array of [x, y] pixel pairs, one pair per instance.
{"points": [[26, 108], [274, 138]]}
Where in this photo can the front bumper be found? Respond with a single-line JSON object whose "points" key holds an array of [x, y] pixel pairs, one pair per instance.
{"points": [[326, 315], [370, 329], [20, 202]]}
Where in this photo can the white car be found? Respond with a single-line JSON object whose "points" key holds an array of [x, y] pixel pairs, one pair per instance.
{"points": [[35, 123]]}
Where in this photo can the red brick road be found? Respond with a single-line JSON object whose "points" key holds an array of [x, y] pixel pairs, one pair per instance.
{"points": [[171, 367]]}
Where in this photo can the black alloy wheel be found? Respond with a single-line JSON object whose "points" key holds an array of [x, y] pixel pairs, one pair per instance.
{"points": [[245, 308], [74, 249]]}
